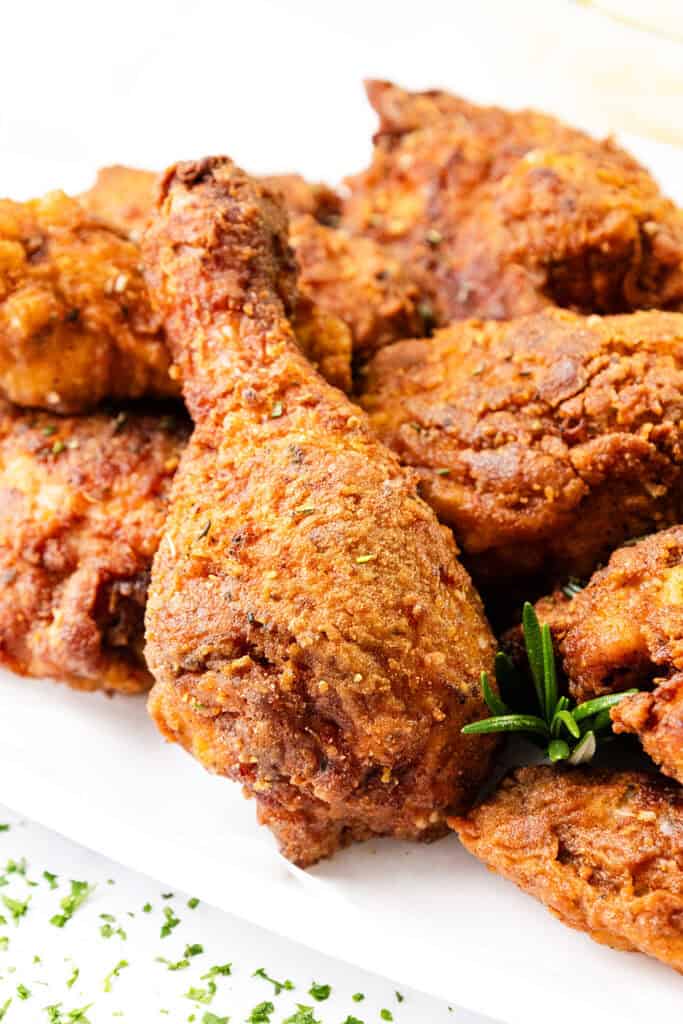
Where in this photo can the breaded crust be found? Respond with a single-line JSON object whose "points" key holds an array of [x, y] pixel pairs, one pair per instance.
{"points": [[544, 442], [310, 630], [82, 506], [76, 322], [500, 213], [602, 850]]}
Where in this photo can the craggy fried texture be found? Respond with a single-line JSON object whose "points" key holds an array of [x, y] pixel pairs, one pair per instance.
{"points": [[310, 630], [305, 197], [625, 629], [76, 323], [356, 280], [499, 214], [602, 850], [544, 442], [122, 198], [82, 505], [343, 280]]}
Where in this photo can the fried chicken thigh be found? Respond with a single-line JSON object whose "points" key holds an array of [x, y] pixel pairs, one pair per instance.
{"points": [[602, 850], [544, 442], [310, 630], [82, 506], [76, 323], [499, 214], [625, 629]]}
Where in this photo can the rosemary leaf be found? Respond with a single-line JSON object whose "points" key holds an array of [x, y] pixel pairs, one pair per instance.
{"points": [[534, 649]]}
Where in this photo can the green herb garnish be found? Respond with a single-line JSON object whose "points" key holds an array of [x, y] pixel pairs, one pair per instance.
{"points": [[4, 943], [358, 997], [70, 904], [319, 992], [386, 1014], [566, 733], [4, 828], [192, 903], [170, 923], [211, 1018], [303, 1015], [23, 992], [73, 978], [114, 973], [17, 908], [50, 879], [202, 995], [261, 1014], [216, 970], [4, 1008], [277, 985]]}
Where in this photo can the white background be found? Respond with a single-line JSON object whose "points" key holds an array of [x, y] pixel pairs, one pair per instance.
{"points": [[277, 85]]}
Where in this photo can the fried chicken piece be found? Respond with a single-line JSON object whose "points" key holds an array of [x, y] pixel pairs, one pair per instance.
{"points": [[602, 850], [499, 214], [356, 280], [625, 629], [76, 323], [304, 197], [310, 630], [345, 280], [82, 506], [544, 442], [123, 198]]}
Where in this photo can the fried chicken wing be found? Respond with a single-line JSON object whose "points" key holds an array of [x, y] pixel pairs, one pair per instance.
{"points": [[603, 851], [304, 197], [82, 506], [76, 323], [122, 198], [625, 629], [499, 214], [310, 630], [544, 442]]}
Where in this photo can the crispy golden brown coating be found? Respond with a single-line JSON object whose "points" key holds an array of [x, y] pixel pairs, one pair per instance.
{"points": [[305, 197], [498, 214], [343, 280], [544, 442], [625, 629], [82, 505], [76, 323], [602, 850], [356, 280], [122, 198], [310, 630]]}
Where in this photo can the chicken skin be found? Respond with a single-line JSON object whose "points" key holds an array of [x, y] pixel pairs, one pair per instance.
{"points": [[499, 214], [602, 850], [625, 629], [82, 506], [352, 280], [545, 442], [123, 198], [310, 630], [76, 323]]}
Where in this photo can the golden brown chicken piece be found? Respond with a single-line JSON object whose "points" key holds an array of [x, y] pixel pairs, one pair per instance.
{"points": [[76, 323], [342, 278], [544, 442], [310, 630], [602, 850], [356, 280], [499, 214], [625, 629], [82, 506], [123, 197]]}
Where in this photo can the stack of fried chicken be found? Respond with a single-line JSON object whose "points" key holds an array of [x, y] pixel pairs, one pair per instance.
{"points": [[263, 444]]}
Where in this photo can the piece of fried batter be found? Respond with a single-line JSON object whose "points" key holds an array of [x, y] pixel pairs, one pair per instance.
{"points": [[625, 629], [602, 850], [499, 214], [545, 442], [348, 279], [82, 506], [76, 322], [123, 198], [310, 630]]}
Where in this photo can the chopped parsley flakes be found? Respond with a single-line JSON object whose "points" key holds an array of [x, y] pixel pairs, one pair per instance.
{"points": [[261, 1014], [386, 1014], [17, 908], [202, 995], [319, 992], [4, 1008], [211, 1018], [303, 1015], [170, 923], [50, 879], [70, 904], [277, 985], [193, 903], [114, 973], [23, 992]]}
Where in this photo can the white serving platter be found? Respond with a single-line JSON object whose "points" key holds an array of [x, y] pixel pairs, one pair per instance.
{"points": [[95, 770]]}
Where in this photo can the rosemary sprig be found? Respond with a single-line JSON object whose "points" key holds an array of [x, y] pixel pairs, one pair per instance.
{"points": [[568, 733]]}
